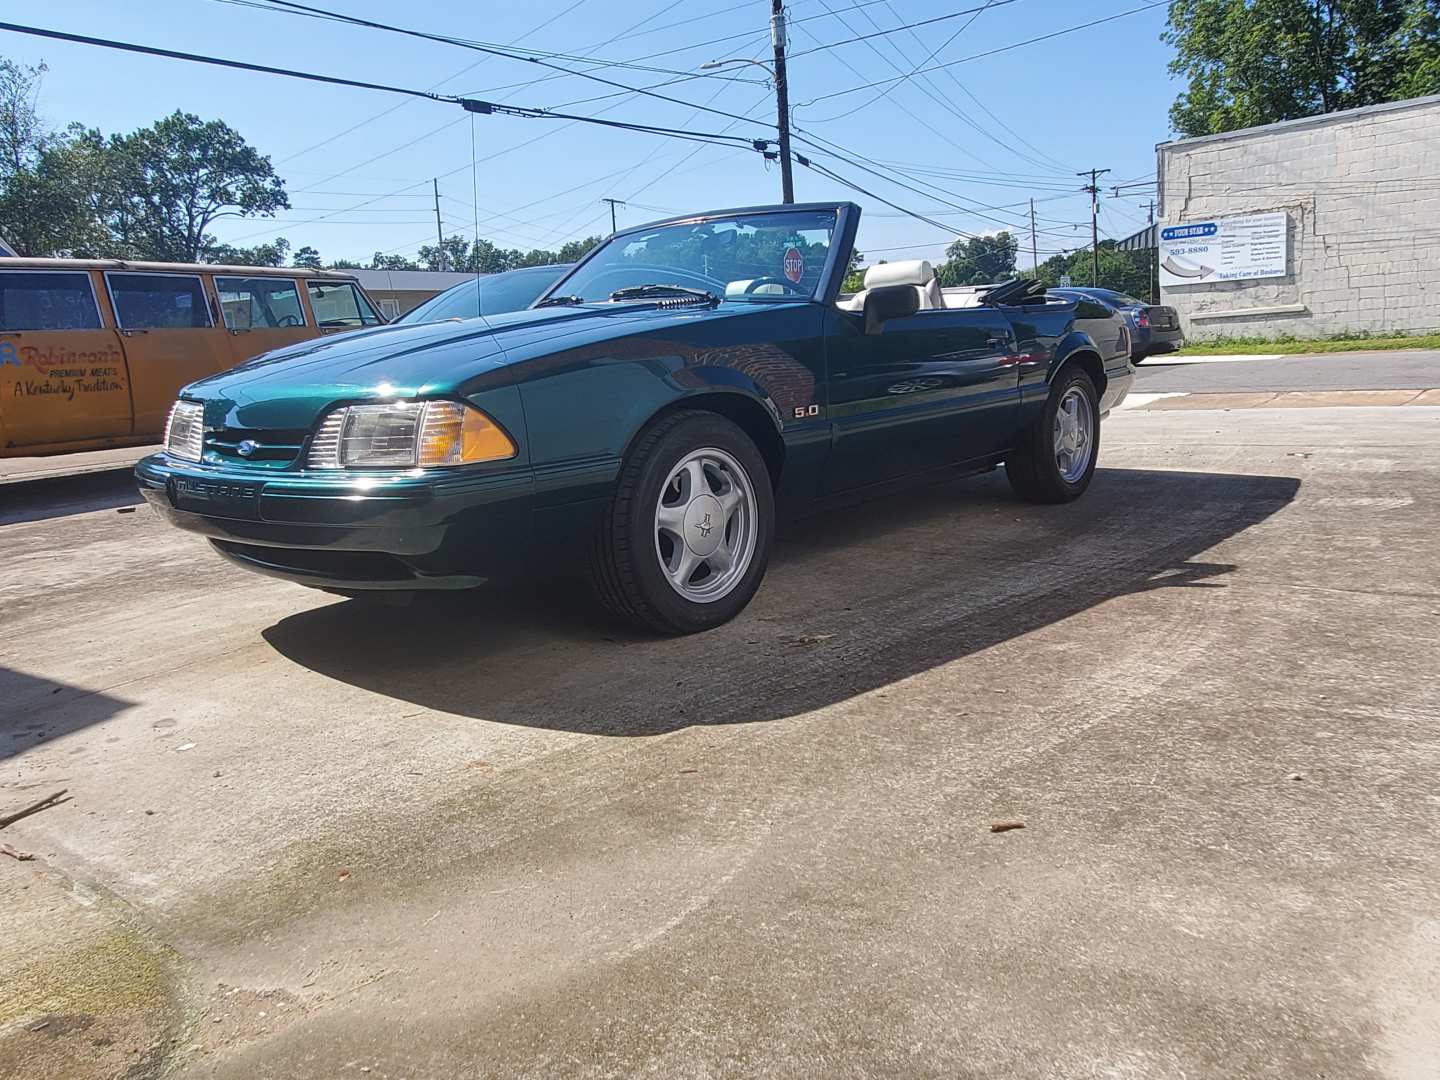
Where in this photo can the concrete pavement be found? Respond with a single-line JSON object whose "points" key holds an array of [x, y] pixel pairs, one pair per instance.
{"points": [[494, 835], [1399, 370]]}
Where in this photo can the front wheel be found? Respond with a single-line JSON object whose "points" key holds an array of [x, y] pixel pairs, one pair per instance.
{"points": [[1055, 458], [686, 539]]}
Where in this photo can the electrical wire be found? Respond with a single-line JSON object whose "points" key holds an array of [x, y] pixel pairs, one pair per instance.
{"points": [[469, 104], [988, 52]]}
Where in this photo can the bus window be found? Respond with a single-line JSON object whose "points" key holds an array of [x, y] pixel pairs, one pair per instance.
{"points": [[340, 305], [47, 300], [158, 301], [250, 303]]}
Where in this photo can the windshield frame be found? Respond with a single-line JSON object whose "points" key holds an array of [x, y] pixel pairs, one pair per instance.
{"points": [[847, 218]]}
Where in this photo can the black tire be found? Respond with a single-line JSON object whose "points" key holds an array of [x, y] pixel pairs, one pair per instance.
{"points": [[1031, 467], [625, 570]]}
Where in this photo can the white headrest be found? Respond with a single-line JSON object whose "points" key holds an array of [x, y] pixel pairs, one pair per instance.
{"points": [[909, 272], [742, 288]]}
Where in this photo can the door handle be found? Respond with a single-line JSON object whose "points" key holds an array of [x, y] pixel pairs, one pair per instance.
{"points": [[132, 333]]}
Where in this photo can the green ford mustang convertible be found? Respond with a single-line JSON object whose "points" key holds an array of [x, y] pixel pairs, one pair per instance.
{"points": [[649, 417]]}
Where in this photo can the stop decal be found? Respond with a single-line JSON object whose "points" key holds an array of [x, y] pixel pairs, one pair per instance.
{"points": [[794, 264]]}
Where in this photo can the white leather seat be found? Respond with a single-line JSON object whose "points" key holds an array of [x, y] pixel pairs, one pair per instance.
{"points": [[742, 288], [916, 272]]}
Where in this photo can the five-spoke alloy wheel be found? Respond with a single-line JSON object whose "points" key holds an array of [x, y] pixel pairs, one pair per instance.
{"points": [[687, 538], [1074, 434], [1055, 457], [705, 525]]}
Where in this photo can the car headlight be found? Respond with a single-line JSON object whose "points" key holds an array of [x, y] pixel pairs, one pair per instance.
{"points": [[185, 430], [407, 434]]}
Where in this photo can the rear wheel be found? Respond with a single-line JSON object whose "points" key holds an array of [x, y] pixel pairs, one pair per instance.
{"points": [[1056, 456], [685, 543]]}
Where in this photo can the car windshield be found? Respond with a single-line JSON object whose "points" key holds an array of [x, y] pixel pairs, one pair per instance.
{"points": [[777, 255], [508, 291], [1124, 300]]}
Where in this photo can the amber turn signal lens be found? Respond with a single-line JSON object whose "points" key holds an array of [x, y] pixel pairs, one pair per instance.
{"points": [[455, 434]]}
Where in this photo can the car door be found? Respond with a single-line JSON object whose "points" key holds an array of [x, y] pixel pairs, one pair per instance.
{"points": [[62, 373], [169, 337], [935, 388], [260, 313]]}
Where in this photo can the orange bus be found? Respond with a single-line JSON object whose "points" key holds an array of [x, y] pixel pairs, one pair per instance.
{"points": [[93, 351]]}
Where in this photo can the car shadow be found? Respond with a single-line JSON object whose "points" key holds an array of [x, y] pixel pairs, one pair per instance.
{"points": [[39, 710], [57, 497], [854, 599]]}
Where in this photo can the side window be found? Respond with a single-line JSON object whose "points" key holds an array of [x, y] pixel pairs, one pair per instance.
{"points": [[1091, 309], [457, 302], [340, 303], [158, 301], [259, 302], [513, 292], [47, 301]]}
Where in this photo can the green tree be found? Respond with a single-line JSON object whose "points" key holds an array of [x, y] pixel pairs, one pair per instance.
{"points": [[1124, 271], [181, 175], [23, 133], [576, 250], [979, 260], [271, 254], [55, 188], [382, 261], [1250, 62], [307, 257], [452, 254]]}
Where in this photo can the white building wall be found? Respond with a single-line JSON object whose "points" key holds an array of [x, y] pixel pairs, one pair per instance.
{"points": [[1362, 191]]}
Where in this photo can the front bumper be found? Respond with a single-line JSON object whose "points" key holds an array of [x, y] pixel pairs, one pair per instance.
{"points": [[419, 529]]}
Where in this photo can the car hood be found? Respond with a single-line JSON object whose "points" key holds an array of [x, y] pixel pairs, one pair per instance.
{"points": [[286, 388]]}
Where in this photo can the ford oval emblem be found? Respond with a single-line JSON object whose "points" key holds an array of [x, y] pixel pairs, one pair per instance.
{"points": [[247, 447]]}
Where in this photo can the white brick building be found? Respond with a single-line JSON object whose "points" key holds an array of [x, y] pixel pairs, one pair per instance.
{"points": [[1361, 190]]}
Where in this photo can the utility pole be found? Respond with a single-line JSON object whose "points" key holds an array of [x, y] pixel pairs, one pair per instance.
{"points": [[1155, 259], [439, 229], [613, 203], [782, 98], [1034, 246], [1094, 191]]}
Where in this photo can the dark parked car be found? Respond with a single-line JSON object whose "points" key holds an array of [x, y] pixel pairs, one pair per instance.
{"points": [[488, 294], [1154, 328], [646, 420]]}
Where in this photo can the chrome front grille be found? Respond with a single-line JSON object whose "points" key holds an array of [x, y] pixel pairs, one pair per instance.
{"points": [[325, 447], [268, 448]]}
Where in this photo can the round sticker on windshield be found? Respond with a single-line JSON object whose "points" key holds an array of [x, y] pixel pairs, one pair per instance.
{"points": [[794, 264]]}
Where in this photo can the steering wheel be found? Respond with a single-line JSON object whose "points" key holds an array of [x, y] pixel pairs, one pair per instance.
{"points": [[784, 283], [288, 320]]}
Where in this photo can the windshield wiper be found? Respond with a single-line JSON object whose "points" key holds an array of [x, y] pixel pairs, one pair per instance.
{"points": [[643, 292], [561, 301]]}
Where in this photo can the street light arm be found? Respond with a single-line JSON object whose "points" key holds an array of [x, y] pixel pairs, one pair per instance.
{"points": [[714, 65]]}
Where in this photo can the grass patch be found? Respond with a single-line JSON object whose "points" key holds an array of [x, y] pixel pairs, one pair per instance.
{"points": [[119, 973], [1287, 345]]}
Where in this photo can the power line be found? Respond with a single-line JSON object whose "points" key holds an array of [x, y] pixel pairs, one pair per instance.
{"points": [[823, 171], [469, 104], [509, 51], [991, 52], [401, 104], [494, 51], [823, 46]]}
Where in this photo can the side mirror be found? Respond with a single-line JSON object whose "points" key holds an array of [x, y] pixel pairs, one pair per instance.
{"points": [[889, 302]]}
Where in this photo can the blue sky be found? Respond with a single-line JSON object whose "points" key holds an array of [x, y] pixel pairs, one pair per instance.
{"points": [[1097, 97]]}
